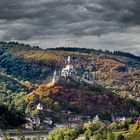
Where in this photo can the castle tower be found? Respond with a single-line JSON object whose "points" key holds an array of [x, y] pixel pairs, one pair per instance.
{"points": [[54, 77], [69, 59]]}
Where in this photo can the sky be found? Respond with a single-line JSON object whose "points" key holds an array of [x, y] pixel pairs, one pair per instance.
{"points": [[98, 24]]}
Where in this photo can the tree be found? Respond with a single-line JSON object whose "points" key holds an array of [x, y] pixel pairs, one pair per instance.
{"points": [[20, 135], [98, 137], [56, 106], [113, 126], [119, 137], [7, 136], [62, 134], [79, 129], [134, 128], [110, 136], [95, 125], [87, 134]]}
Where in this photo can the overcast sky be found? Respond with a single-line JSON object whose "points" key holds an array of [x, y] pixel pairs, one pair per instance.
{"points": [[101, 24]]}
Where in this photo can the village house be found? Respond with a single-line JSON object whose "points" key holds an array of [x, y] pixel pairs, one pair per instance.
{"points": [[39, 106], [39, 123], [117, 118]]}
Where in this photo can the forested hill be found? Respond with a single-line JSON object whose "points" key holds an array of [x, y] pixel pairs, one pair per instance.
{"points": [[24, 68], [117, 70], [125, 57], [81, 99]]}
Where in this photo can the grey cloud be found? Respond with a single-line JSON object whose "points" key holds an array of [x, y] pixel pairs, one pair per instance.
{"points": [[52, 13], [28, 19]]}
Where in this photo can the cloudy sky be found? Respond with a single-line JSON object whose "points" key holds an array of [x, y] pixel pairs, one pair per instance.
{"points": [[101, 24]]}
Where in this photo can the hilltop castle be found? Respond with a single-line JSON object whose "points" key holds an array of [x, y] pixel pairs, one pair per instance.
{"points": [[70, 71]]}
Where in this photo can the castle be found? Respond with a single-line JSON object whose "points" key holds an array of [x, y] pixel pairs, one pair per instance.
{"points": [[67, 72], [70, 71]]}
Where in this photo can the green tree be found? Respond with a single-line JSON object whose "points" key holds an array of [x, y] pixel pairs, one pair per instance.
{"points": [[113, 126], [110, 135], [7, 136], [88, 134], [119, 137], [98, 137], [21, 136]]}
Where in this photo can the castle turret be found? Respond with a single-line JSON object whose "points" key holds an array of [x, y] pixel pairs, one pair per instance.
{"points": [[69, 59], [54, 77]]}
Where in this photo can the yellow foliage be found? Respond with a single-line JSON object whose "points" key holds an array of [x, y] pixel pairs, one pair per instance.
{"points": [[29, 97], [50, 85], [27, 84]]}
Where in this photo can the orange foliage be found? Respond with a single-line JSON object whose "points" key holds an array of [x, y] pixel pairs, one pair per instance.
{"points": [[40, 91], [43, 90], [56, 89]]}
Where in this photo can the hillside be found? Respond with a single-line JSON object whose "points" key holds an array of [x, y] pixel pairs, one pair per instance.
{"points": [[81, 99], [122, 73], [10, 118], [11, 108], [25, 72]]}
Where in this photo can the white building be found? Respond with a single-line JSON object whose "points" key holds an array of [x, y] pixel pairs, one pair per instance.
{"points": [[55, 77], [36, 121], [89, 78], [48, 120], [39, 107], [68, 70], [119, 119], [96, 118]]}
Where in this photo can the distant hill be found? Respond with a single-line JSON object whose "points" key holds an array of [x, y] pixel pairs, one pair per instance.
{"points": [[123, 57]]}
